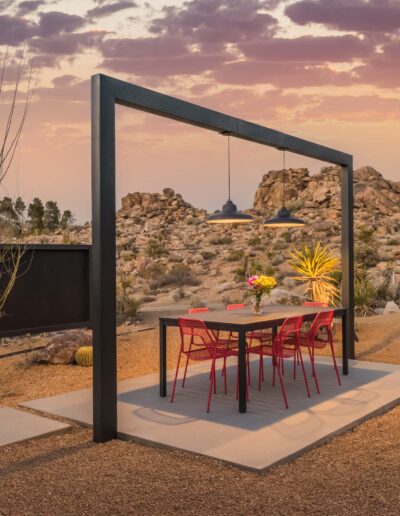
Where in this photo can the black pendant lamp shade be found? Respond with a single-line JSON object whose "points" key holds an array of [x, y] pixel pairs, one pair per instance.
{"points": [[284, 218], [229, 213]]}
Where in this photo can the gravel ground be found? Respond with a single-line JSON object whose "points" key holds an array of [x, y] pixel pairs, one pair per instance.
{"points": [[356, 473]]}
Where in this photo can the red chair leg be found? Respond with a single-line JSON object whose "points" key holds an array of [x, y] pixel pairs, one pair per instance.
{"points": [[184, 374], [334, 363], [176, 376], [282, 386], [312, 356], [212, 381], [295, 359], [274, 367], [304, 372], [260, 368], [225, 386]]}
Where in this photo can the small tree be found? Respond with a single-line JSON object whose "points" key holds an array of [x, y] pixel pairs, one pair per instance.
{"points": [[20, 207], [51, 216], [35, 214], [67, 219]]}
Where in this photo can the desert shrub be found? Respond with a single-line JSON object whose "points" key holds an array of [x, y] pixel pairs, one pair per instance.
{"points": [[207, 255], [239, 274], [155, 248], [254, 241], [152, 271], [180, 274], [366, 247], [149, 299], [364, 296], [132, 307], [197, 302], [235, 255], [277, 260], [179, 294], [367, 255], [224, 240], [280, 244]]}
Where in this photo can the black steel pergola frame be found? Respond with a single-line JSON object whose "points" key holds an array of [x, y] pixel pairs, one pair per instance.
{"points": [[106, 93]]}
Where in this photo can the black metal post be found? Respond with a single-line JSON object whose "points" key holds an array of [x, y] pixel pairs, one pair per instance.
{"points": [[103, 262], [242, 371], [163, 359], [347, 262]]}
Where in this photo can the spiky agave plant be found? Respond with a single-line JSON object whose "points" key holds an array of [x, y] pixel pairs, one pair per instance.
{"points": [[316, 266]]}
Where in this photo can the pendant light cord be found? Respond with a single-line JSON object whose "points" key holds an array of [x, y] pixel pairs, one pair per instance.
{"points": [[229, 168], [284, 178]]}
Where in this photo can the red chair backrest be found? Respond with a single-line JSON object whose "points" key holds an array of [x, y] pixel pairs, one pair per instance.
{"points": [[197, 310], [290, 328], [323, 320], [195, 333], [236, 306], [315, 303]]}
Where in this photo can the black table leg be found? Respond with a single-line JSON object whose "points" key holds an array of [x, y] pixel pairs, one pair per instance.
{"points": [[242, 371], [163, 359], [345, 344]]}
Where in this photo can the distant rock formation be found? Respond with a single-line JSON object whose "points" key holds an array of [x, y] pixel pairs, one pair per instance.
{"points": [[317, 198]]}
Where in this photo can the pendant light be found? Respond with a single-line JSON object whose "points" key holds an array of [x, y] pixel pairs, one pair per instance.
{"points": [[284, 218], [229, 213]]}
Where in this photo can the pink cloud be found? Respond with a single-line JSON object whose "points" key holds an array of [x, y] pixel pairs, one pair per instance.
{"points": [[56, 22], [285, 75], [354, 15], [215, 22], [307, 49], [110, 8]]}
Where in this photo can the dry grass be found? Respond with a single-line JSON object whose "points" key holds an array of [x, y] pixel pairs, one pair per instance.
{"points": [[356, 473]]}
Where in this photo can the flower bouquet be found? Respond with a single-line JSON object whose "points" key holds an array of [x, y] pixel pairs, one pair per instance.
{"points": [[260, 286]]}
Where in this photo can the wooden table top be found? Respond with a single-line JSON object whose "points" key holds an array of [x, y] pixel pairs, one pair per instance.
{"points": [[245, 317]]}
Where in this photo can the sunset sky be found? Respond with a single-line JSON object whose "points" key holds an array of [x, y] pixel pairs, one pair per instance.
{"points": [[319, 69]]}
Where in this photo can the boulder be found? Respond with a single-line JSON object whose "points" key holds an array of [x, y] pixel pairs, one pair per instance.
{"points": [[391, 308], [62, 348]]}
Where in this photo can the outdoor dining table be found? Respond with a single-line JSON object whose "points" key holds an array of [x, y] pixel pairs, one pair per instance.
{"points": [[243, 321]]}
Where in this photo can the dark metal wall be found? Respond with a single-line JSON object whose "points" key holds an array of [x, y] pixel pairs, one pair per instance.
{"points": [[53, 293]]}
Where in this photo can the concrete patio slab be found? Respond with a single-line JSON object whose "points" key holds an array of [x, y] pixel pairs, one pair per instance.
{"points": [[266, 435], [16, 426]]}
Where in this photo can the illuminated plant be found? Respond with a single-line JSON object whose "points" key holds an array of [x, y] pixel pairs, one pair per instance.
{"points": [[316, 266]]}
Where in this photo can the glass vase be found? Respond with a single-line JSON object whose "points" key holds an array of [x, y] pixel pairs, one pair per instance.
{"points": [[257, 306]]}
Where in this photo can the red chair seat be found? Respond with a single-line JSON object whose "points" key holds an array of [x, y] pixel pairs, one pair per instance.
{"points": [[269, 351], [260, 335]]}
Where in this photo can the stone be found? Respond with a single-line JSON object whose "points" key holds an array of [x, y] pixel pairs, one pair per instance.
{"points": [[391, 307], [62, 348]]}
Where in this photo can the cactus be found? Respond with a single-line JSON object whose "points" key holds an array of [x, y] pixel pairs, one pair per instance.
{"points": [[84, 356]]}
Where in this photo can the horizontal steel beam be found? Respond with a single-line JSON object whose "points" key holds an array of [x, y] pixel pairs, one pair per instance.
{"points": [[131, 95]]}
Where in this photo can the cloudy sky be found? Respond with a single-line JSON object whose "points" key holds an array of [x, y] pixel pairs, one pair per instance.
{"points": [[320, 69]]}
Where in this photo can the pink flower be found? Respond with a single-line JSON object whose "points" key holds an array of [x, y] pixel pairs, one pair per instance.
{"points": [[251, 280]]}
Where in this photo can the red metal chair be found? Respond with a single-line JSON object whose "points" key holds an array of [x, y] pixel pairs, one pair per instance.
{"points": [[231, 342], [321, 325], [315, 303], [199, 343], [285, 345], [262, 336]]}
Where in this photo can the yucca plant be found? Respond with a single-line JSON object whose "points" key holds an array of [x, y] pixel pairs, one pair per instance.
{"points": [[316, 266]]}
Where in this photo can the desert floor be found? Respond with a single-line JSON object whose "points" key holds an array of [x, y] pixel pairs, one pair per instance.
{"points": [[356, 472]]}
